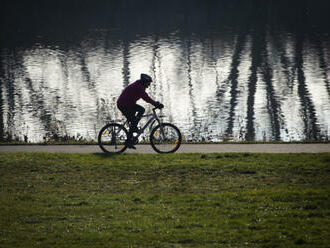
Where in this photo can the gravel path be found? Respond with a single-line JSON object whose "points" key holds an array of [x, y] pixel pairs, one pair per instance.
{"points": [[186, 148]]}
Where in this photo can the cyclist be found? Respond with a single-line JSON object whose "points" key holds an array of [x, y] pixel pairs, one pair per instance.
{"points": [[126, 103]]}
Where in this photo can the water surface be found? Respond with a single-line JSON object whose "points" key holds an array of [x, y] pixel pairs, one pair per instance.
{"points": [[241, 70]]}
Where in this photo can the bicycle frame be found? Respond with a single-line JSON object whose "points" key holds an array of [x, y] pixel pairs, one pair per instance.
{"points": [[154, 117]]}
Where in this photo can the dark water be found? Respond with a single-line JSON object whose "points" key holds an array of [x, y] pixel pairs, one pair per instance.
{"points": [[242, 70]]}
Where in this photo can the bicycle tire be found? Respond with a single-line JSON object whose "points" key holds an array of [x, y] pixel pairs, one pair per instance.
{"points": [[165, 138], [112, 137]]}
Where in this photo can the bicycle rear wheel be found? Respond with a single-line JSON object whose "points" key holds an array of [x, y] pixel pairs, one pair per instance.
{"points": [[165, 138], [112, 138]]}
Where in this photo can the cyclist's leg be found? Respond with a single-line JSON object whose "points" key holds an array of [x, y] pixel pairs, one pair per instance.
{"points": [[140, 111], [130, 113], [137, 117]]}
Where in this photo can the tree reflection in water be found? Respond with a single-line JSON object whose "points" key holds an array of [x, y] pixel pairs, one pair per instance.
{"points": [[241, 69]]}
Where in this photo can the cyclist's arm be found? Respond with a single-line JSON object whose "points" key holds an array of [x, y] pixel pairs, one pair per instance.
{"points": [[148, 99]]}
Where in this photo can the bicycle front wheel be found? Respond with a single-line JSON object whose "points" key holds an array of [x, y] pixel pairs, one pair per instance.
{"points": [[112, 138], [165, 138]]}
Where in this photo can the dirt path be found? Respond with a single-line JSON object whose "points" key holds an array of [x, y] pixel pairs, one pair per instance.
{"points": [[186, 148]]}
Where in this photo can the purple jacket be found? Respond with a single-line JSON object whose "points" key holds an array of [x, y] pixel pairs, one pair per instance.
{"points": [[132, 93]]}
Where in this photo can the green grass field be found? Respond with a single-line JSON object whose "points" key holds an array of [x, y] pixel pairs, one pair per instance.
{"points": [[179, 200]]}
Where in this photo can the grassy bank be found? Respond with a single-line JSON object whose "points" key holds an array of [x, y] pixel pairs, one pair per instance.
{"points": [[86, 142], [179, 200]]}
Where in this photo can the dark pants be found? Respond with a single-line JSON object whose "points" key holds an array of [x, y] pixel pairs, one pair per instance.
{"points": [[133, 115]]}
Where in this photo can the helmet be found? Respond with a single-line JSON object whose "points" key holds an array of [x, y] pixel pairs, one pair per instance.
{"points": [[145, 78]]}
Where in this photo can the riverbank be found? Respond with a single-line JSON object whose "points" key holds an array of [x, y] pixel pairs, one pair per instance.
{"points": [[86, 142], [185, 148]]}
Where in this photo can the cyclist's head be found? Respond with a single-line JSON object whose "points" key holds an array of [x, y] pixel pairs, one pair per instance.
{"points": [[145, 79]]}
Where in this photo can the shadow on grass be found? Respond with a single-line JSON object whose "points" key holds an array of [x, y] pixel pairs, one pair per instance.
{"points": [[107, 155]]}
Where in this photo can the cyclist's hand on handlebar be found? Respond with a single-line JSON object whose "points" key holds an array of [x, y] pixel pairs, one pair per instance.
{"points": [[159, 105]]}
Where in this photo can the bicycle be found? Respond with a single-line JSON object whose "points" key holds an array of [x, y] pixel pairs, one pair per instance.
{"points": [[164, 137]]}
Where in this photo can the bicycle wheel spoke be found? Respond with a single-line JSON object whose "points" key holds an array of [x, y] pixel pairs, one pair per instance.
{"points": [[165, 138], [105, 132], [112, 138]]}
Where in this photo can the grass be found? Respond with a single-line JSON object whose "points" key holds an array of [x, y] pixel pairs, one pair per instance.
{"points": [[178, 200]]}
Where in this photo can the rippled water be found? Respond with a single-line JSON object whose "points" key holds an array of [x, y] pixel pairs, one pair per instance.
{"points": [[219, 76]]}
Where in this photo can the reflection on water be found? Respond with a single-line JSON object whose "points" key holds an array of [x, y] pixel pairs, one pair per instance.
{"points": [[241, 82]]}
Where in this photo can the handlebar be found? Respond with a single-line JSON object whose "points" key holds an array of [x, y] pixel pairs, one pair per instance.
{"points": [[156, 108]]}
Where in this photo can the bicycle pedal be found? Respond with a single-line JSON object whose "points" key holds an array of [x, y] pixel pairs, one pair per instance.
{"points": [[136, 130]]}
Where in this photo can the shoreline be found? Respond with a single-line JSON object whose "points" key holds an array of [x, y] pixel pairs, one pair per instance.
{"points": [[185, 148]]}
